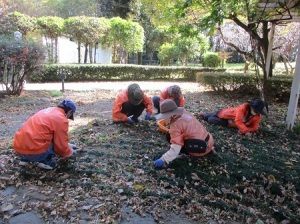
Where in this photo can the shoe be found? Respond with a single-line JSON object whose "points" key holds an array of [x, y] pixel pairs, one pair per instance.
{"points": [[47, 163], [135, 119], [23, 162], [201, 115]]}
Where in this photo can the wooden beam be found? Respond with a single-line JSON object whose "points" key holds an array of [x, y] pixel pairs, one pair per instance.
{"points": [[294, 97]]}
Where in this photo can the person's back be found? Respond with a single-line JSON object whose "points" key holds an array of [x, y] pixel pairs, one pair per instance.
{"points": [[38, 132], [186, 133], [44, 135]]}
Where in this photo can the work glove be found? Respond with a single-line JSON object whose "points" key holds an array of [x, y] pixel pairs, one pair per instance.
{"points": [[158, 163], [130, 121], [148, 117], [73, 148]]}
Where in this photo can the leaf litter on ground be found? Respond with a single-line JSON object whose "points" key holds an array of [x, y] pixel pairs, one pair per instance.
{"points": [[249, 180]]}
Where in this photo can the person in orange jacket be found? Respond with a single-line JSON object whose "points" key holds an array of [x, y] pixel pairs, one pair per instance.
{"points": [[130, 103], [172, 92], [186, 134], [246, 117], [44, 135]]}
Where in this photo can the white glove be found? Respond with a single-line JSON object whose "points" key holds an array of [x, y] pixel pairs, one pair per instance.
{"points": [[72, 146]]}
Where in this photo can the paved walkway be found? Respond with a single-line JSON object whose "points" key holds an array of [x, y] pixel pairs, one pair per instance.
{"points": [[117, 85]]}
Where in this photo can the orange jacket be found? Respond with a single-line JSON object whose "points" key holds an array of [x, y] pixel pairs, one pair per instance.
{"points": [[165, 95], [40, 130], [121, 98], [188, 127], [241, 118]]}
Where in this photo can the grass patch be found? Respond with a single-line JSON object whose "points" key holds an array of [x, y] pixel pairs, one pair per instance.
{"points": [[54, 93]]}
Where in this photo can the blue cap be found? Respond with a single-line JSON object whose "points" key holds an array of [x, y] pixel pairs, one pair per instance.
{"points": [[69, 104]]}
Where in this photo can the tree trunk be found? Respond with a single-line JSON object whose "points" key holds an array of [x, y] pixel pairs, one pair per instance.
{"points": [[91, 54], [86, 51], [115, 54], [95, 53], [56, 51], [139, 58], [79, 52]]}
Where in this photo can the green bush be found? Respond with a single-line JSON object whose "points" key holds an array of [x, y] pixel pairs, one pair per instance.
{"points": [[277, 86], [98, 72], [19, 59], [211, 59]]}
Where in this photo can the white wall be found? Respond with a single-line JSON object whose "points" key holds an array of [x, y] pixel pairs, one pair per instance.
{"points": [[68, 53]]}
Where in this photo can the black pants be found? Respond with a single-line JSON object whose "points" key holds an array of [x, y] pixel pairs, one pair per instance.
{"points": [[212, 118], [186, 149], [132, 110]]}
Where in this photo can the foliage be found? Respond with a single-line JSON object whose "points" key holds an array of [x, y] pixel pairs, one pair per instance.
{"points": [[191, 47], [52, 28], [167, 54], [210, 59], [160, 35], [278, 87], [66, 8], [18, 61], [60, 8], [123, 37], [75, 28], [92, 72], [17, 22]]}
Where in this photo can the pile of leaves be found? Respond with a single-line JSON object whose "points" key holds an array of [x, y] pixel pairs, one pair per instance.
{"points": [[249, 179]]}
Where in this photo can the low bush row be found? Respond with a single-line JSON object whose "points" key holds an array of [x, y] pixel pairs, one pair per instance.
{"points": [[277, 86], [92, 72], [215, 78]]}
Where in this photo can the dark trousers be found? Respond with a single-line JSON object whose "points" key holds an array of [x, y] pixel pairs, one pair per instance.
{"points": [[212, 118], [132, 110], [156, 100], [183, 150]]}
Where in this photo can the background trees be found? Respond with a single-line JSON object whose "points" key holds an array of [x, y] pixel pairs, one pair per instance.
{"points": [[123, 36], [51, 28]]}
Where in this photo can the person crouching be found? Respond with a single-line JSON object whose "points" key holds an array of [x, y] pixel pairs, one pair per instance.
{"points": [[186, 134]]}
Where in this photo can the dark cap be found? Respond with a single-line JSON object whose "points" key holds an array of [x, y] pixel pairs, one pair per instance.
{"points": [[68, 105], [259, 106]]}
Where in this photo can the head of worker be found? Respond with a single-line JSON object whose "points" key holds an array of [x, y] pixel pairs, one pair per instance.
{"points": [[174, 91], [258, 107], [168, 108], [135, 94], [69, 107]]}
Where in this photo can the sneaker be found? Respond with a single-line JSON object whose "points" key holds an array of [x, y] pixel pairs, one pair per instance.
{"points": [[135, 119], [47, 163], [23, 162], [201, 115]]}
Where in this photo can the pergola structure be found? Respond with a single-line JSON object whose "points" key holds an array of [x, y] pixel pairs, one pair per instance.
{"points": [[278, 12]]}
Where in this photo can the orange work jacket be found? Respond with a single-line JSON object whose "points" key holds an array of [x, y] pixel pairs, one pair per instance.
{"points": [[165, 95], [43, 128], [121, 98], [188, 127], [241, 118]]}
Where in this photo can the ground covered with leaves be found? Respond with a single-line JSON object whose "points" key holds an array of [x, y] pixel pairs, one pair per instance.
{"points": [[249, 181]]}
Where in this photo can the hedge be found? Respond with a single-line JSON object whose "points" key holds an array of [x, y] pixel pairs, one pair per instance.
{"points": [[96, 72], [277, 86]]}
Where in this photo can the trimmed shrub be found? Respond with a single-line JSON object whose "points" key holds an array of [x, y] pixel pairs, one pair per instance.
{"points": [[96, 72], [277, 86], [211, 59]]}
